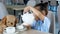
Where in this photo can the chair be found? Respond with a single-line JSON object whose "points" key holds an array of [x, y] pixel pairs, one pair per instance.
{"points": [[3, 11], [58, 15], [51, 16], [31, 3]]}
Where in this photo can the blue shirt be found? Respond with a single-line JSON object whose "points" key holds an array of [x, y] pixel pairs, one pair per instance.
{"points": [[41, 25]]}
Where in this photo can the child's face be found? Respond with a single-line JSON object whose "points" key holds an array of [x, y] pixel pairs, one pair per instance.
{"points": [[43, 12]]}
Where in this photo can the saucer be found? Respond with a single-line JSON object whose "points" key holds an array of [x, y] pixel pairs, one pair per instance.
{"points": [[24, 29], [9, 33]]}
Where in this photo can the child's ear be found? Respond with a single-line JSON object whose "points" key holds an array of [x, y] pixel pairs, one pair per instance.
{"points": [[4, 20]]}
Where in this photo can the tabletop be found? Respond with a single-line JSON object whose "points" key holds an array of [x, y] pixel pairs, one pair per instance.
{"points": [[33, 32]]}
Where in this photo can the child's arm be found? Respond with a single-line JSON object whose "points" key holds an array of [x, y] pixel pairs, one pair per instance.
{"points": [[38, 13], [35, 11]]}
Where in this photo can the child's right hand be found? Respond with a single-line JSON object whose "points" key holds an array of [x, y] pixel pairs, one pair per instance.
{"points": [[26, 9]]}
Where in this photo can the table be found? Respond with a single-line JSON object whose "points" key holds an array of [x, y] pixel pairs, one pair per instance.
{"points": [[33, 32], [16, 7]]}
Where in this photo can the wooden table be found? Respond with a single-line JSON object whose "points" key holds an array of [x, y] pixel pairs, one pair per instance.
{"points": [[16, 7], [28, 32], [33, 32]]}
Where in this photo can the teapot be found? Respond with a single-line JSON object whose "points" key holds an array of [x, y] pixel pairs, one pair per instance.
{"points": [[28, 18]]}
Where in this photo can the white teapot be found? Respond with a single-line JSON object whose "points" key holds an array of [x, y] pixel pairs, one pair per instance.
{"points": [[28, 18]]}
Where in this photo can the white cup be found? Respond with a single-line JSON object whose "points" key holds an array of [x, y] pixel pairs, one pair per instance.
{"points": [[20, 27], [10, 30]]}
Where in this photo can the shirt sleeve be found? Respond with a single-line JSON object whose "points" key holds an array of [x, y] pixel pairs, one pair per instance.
{"points": [[46, 25]]}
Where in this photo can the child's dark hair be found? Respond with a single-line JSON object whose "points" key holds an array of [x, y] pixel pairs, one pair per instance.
{"points": [[43, 6]]}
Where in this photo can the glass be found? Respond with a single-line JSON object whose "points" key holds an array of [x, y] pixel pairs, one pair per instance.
{"points": [[20, 27], [19, 17]]}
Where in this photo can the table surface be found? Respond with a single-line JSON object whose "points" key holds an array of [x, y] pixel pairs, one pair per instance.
{"points": [[16, 7], [33, 32]]}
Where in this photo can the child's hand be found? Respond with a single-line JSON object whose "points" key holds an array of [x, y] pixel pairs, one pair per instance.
{"points": [[26, 9]]}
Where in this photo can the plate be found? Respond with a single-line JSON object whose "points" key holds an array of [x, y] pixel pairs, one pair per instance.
{"points": [[9, 33]]}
